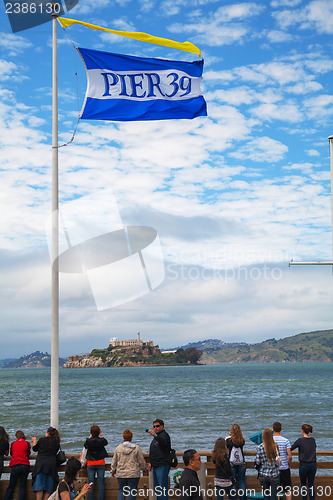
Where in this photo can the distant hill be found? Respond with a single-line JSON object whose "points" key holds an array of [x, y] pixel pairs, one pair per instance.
{"points": [[34, 360], [210, 344], [134, 356], [4, 362], [310, 346]]}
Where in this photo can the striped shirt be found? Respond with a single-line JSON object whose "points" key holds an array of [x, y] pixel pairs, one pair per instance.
{"points": [[283, 444]]}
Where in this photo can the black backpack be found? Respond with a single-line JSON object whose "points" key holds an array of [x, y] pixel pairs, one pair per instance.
{"points": [[173, 458]]}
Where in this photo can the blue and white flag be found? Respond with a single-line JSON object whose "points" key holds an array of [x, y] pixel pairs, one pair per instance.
{"points": [[128, 88]]}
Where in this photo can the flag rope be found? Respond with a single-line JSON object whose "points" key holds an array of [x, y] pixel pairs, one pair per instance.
{"points": [[77, 91], [136, 35]]}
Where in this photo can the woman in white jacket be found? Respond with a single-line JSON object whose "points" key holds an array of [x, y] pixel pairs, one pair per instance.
{"points": [[127, 462]]}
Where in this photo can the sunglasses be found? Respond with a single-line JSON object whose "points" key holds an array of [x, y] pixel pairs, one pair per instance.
{"points": [[159, 425]]}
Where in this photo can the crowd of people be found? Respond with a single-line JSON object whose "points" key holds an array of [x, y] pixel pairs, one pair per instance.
{"points": [[273, 461]]}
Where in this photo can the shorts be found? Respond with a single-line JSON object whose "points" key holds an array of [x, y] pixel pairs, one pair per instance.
{"points": [[285, 478], [43, 482]]}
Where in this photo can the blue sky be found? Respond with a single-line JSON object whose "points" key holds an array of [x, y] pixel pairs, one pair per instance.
{"points": [[233, 196]]}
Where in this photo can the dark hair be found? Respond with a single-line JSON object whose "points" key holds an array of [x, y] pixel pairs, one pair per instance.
{"points": [[188, 455], [159, 421], [52, 431], [4, 438], [307, 428], [277, 427], [20, 435], [127, 435], [72, 468], [219, 451], [95, 430]]}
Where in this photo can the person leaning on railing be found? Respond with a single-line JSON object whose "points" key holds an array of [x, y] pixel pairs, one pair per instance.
{"points": [[4, 446], [96, 454], [265, 463], [307, 461], [127, 462], [45, 472], [20, 466]]}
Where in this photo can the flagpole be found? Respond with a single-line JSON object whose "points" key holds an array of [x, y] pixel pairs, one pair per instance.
{"points": [[55, 242], [331, 175]]}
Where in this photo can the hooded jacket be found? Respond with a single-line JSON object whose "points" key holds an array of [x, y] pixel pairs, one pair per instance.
{"points": [[127, 460]]}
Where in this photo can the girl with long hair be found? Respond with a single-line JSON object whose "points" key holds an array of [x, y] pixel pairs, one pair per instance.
{"points": [[307, 461], [66, 487], [45, 472], [235, 443], [265, 463], [4, 446], [223, 480]]}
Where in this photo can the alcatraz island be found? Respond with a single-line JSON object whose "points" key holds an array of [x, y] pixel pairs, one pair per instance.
{"points": [[316, 346], [134, 352]]}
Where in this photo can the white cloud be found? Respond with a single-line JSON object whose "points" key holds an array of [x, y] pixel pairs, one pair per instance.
{"points": [[262, 149], [13, 44], [222, 27], [278, 36], [8, 70], [317, 14], [312, 152], [285, 112], [320, 107], [285, 3]]}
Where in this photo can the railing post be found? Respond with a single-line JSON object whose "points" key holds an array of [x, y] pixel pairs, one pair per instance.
{"points": [[151, 495], [202, 479]]}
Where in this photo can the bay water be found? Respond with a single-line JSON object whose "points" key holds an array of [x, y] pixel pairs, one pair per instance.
{"points": [[197, 403]]}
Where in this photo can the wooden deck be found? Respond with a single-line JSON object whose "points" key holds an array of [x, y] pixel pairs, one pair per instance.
{"points": [[323, 481]]}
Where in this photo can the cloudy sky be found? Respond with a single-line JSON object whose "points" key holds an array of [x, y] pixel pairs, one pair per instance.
{"points": [[233, 196]]}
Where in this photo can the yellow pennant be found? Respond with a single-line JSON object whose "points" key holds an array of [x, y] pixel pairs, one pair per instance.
{"points": [[143, 37]]}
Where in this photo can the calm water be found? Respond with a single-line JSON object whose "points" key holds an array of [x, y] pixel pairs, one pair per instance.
{"points": [[197, 403]]}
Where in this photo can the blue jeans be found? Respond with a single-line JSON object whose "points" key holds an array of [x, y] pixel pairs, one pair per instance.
{"points": [[161, 478], [269, 487], [238, 473], [20, 472], [132, 483], [100, 471], [221, 491], [307, 472]]}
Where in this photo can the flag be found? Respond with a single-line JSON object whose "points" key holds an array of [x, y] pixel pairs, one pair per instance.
{"points": [[136, 35], [128, 88]]}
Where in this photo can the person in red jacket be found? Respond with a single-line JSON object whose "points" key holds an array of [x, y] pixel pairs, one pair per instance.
{"points": [[20, 466]]}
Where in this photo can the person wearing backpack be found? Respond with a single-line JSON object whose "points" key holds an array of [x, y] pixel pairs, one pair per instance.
{"points": [[235, 443]]}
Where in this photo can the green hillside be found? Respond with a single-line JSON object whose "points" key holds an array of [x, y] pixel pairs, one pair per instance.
{"points": [[311, 346]]}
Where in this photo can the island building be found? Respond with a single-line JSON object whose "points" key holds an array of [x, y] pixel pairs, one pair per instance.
{"points": [[114, 342]]}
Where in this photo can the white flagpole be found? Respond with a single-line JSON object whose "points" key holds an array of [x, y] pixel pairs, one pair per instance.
{"points": [[323, 263], [331, 171], [55, 242]]}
